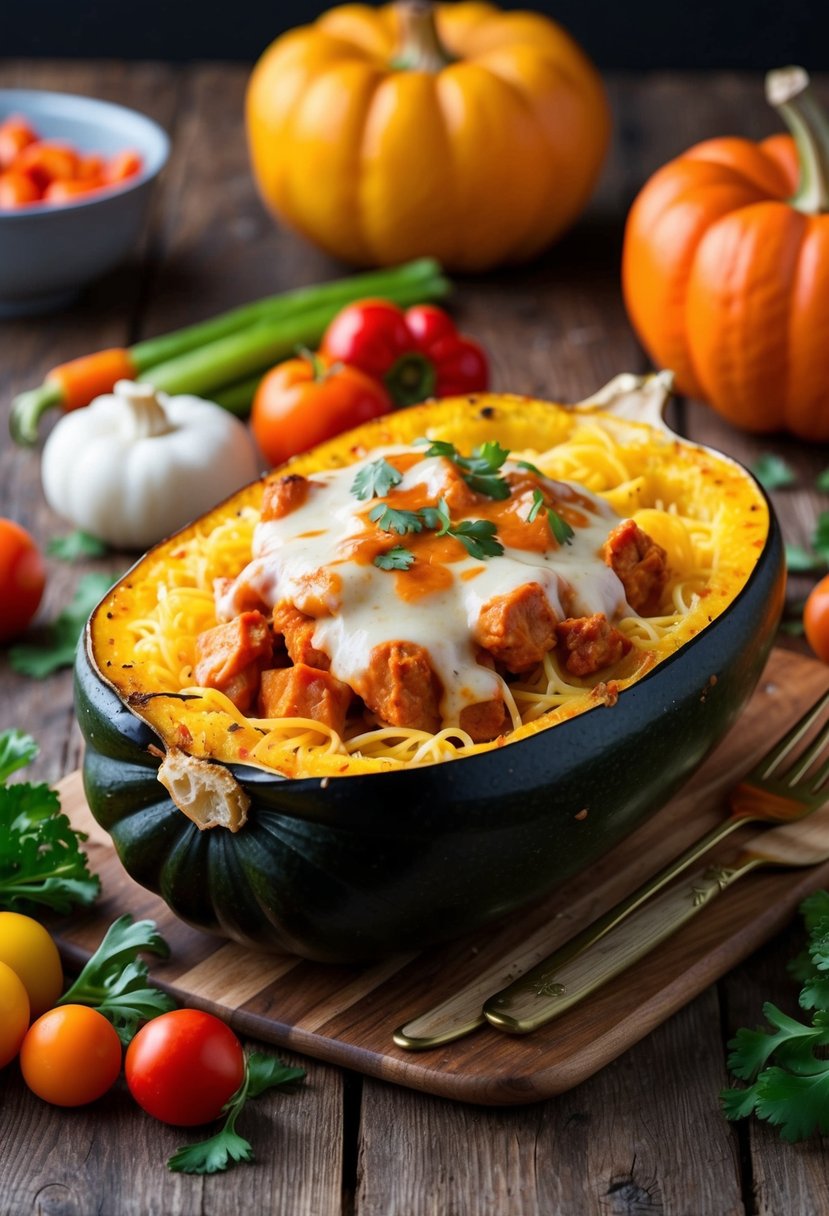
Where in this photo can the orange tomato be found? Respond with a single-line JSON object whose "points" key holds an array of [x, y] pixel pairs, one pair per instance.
{"points": [[47, 161], [90, 168], [15, 135], [28, 949], [70, 1056], [123, 165], [22, 579], [816, 619], [17, 190], [305, 401], [14, 1014], [69, 191]]}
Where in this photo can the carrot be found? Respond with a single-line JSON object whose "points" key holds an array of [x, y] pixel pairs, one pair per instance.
{"points": [[81, 380]]}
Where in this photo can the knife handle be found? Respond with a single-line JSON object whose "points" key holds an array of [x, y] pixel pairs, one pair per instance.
{"points": [[566, 977]]}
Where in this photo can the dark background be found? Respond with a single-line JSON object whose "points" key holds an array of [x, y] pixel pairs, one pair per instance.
{"points": [[618, 34]]}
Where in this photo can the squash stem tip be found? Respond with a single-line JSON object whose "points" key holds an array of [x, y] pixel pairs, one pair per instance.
{"points": [[789, 90]]}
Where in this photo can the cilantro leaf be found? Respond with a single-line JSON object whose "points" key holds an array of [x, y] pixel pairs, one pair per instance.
{"points": [[772, 471], [480, 470], [75, 546], [375, 480], [61, 638], [537, 504], [115, 981], [217, 1153], [41, 861], [531, 468], [437, 518], [397, 558], [559, 527], [478, 538], [391, 520], [16, 751]]}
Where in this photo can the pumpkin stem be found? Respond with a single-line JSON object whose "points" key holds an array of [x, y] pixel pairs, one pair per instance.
{"points": [[419, 48], [789, 90], [142, 407]]}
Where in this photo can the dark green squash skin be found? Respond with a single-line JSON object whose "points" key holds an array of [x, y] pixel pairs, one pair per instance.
{"points": [[362, 866]]}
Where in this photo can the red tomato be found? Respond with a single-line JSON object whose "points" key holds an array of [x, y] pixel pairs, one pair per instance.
{"points": [[182, 1067], [15, 135], [47, 161], [22, 579], [90, 168], [17, 190], [70, 1056], [816, 619], [123, 166], [303, 402], [69, 191]]}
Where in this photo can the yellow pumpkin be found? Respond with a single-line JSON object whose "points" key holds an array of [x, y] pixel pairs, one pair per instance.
{"points": [[458, 130]]}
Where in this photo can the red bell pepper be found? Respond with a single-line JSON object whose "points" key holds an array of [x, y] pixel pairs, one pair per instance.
{"points": [[416, 354]]}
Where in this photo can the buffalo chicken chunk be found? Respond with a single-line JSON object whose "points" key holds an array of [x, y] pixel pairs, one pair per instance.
{"points": [[400, 686], [230, 657], [485, 720], [298, 632], [517, 628], [640, 563], [590, 643], [304, 692], [284, 495]]}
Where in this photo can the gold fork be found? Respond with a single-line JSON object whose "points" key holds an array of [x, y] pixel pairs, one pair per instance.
{"points": [[764, 795], [631, 930]]}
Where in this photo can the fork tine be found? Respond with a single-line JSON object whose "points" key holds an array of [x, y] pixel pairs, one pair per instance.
{"points": [[806, 759], [790, 740]]}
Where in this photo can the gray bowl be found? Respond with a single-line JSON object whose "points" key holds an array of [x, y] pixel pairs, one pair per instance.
{"points": [[48, 253]]}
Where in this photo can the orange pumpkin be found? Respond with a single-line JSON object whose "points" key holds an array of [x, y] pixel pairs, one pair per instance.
{"points": [[463, 132], [726, 270]]}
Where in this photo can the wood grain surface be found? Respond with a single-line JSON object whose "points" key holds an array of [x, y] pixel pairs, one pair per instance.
{"points": [[642, 1136]]}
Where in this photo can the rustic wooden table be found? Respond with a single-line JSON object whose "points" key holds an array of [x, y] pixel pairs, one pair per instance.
{"points": [[643, 1136]]}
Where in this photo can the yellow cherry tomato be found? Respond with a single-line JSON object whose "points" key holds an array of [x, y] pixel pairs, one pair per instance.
{"points": [[29, 950], [14, 1014], [70, 1056]]}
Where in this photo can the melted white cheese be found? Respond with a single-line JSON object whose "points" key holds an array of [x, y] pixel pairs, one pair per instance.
{"points": [[367, 611]]}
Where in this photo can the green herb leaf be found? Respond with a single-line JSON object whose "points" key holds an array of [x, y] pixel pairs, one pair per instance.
{"points": [[437, 518], [41, 860], [391, 520], [397, 558], [375, 480], [537, 504], [772, 471], [227, 1147], [820, 539], [478, 538], [559, 527], [480, 470], [115, 981], [61, 639], [76, 546], [822, 481], [531, 468], [801, 561]]}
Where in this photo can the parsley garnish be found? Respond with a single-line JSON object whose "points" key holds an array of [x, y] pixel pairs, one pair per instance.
{"points": [[480, 470], [41, 861], [227, 1147], [75, 546], [785, 1066], [397, 558], [538, 503], [559, 527], [391, 520], [525, 464], [772, 471], [61, 637], [375, 480], [478, 538], [115, 981]]}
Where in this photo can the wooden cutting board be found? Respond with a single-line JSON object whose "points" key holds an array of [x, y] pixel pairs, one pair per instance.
{"points": [[346, 1015]]}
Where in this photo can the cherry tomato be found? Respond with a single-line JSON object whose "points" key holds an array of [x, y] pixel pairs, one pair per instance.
{"points": [[47, 161], [27, 948], [816, 619], [182, 1067], [15, 135], [22, 579], [123, 166], [69, 191], [302, 402], [17, 190], [14, 1014], [70, 1056], [90, 168]]}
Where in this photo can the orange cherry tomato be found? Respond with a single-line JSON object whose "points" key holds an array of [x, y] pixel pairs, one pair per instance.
{"points": [[69, 191], [123, 165], [15, 134], [47, 161], [816, 619], [22, 579], [14, 1013], [17, 190], [305, 401], [90, 168], [70, 1056], [28, 949]]}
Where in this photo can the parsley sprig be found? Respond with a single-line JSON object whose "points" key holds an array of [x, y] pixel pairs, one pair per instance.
{"points": [[480, 470], [398, 558], [227, 1147], [785, 1065], [559, 527], [41, 860], [60, 638], [478, 536], [115, 980], [374, 480]]}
